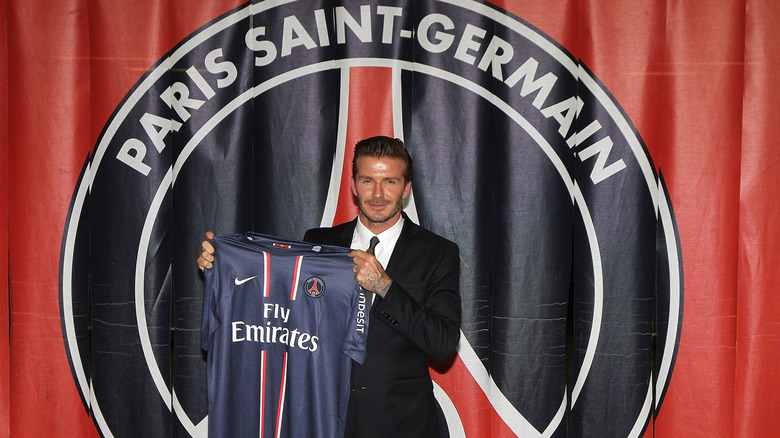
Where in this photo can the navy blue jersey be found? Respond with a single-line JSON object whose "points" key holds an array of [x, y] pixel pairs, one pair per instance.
{"points": [[282, 322]]}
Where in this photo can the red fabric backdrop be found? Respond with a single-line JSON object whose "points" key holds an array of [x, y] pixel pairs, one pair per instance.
{"points": [[698, 79], [5, 394]]}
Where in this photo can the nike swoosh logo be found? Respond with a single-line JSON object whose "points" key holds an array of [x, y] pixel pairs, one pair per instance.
{"points": [[244, 280]]}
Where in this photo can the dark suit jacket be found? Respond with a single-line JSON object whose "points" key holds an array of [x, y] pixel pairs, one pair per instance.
{"points": [[392, 392]]}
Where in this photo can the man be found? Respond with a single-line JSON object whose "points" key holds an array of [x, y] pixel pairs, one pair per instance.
{"points": [[416, 305]]}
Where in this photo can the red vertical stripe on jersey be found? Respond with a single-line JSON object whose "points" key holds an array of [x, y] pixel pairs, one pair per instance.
{"points": [[296, 279], [370, 113], [282, 393], [262, 391]]}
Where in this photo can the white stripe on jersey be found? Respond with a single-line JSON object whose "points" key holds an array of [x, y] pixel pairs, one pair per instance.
{"points": [[294, 291], [262, 391], [282, 393], [266, 273]]}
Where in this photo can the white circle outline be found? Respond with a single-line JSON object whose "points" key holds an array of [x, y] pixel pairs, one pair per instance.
{"points": [[600, 95]]}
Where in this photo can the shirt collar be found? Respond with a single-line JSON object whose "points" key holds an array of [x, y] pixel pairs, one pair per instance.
{"points": [[387, 240]]}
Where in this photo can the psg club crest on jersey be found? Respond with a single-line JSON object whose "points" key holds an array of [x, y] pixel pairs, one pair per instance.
{"points": [[522, 157], [314, 287]]}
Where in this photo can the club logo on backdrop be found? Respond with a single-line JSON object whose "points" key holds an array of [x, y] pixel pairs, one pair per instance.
{"points": [[170, 163]]}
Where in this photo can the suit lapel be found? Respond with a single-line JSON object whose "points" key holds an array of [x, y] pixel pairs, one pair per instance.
{"points": [[345, 239], [401, 246]]}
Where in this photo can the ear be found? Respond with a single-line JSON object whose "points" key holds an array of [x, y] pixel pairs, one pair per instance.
{"points": [[407, 190], [354, 190]]}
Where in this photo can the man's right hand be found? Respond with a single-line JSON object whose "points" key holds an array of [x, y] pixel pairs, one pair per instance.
{"points": [[207, 255]]}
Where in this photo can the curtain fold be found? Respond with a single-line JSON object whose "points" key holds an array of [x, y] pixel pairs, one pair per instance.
{"points": [[48, 121], [704, 55], [5, 376], [758, 334]]}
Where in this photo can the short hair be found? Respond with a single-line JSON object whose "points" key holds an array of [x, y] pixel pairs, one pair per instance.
{"points": [[382, 146]]}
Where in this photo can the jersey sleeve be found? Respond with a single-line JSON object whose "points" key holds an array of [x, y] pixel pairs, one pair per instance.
{"points": [[357, 332], [209, 321]]}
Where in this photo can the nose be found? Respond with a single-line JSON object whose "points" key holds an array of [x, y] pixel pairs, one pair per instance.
{"points": [[377, 192]]}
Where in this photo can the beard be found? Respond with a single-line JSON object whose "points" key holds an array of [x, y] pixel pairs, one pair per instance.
{"points": [[381, 216]]}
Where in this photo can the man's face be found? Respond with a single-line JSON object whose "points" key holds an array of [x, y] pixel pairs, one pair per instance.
{"points": [[379, 187]]}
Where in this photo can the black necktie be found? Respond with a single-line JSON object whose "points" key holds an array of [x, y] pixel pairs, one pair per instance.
{"points": [[371, 246]]}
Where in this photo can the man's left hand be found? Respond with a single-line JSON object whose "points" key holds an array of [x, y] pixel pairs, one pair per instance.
{"points": [[369, 273]]}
